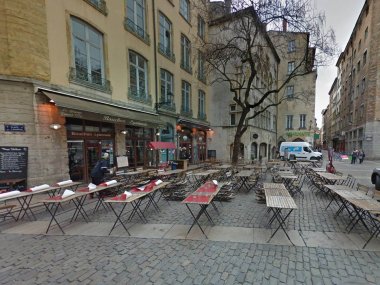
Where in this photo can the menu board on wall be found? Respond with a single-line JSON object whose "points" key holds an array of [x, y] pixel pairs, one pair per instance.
{"points": [[13, 162]]}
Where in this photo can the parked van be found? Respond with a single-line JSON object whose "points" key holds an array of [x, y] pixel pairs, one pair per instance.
{"points": [[301, 150]]}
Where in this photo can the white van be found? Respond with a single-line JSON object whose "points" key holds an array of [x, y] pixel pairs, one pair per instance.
{"points": [[302, 151]]}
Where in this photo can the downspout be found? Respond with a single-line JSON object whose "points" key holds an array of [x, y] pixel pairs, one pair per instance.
{"points": [[155, 55], [155, 69]]}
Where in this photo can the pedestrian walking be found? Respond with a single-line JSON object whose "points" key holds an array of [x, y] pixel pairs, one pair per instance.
{"points": [[361, 156], [353, 156]]}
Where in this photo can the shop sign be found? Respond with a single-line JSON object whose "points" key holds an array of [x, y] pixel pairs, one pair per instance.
{"points": [[136, 123], [298, 134], [91, 116], [89, 134]]}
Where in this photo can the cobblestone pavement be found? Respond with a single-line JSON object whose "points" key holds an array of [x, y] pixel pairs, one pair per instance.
{"points": [[50, 259], [27, 259]]}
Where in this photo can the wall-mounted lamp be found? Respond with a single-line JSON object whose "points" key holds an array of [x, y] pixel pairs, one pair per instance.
{"points": [[55, 126], [52, 101], [158, 133], [124, 132]]}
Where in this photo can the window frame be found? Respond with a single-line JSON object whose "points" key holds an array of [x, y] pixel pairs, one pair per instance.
{"points": [[185, 53], [302, 121], [186, 96], [201, 104], [184, 9], [291, 66], [132, 18], [291, 46], [201, 27], [88, 45], [289, 122], [138, 92], [290, 88], [166, 86]]}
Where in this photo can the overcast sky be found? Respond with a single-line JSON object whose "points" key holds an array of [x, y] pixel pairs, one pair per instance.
{"points": [[341, 15]]}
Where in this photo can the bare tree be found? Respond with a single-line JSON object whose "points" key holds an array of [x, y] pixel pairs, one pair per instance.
{"points": [[239, 49]]}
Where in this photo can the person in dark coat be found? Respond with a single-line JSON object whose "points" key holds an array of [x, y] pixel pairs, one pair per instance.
{"points": [[100, 168]]}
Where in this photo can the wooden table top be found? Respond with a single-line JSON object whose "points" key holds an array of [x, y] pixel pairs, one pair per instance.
{"points": [[330, 176], [281, 202], [268, 185], [276, 192], [244, 173]]}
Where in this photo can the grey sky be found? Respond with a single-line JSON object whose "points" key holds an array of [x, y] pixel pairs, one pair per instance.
{"points": [[341, 15]]}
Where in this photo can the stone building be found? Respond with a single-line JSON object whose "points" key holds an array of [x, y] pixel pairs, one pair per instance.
{"points": [[357, 108], [259, 140], [296, 113], [82, 77]]}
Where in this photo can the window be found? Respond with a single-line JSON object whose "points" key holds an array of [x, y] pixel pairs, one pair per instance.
{"points": [[185, 53], [184, 9], [166, 87], [201, 27], [165, 40], [364, 58], [303, 121], [290, 67], [290, 91], [363, 85], [201, 67], [138, 80], [366, 34], [232, 115], [186, 97], [289, 122], [99, 5], [135, 21], [88, 55], [358, 68], [201, 105], [360, 45], [292, 46]]}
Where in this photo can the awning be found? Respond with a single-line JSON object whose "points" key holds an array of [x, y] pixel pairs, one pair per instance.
{"points": [[162, 145], [109, 112]]}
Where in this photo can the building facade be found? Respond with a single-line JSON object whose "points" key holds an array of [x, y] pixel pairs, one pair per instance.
{"points": [[357, 103], [82, 77], [259, 140], [296, 112]]}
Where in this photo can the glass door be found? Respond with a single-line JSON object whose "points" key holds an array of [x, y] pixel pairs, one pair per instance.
{"points": [[93, 153], [76, 159]]}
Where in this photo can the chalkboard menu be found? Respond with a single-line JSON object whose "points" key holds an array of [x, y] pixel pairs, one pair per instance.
{"points": [[13, 162]]}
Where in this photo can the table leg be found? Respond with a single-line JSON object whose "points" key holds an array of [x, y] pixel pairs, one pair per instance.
{"points": [[25, 207], [53, 213], [196, 218], [118, 218]]}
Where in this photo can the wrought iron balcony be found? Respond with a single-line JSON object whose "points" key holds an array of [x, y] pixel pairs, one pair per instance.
{"points": [[186, 112], [99, 5], [139, 95], [92, 80], [130, 26], [186, 66], [166, 51], [202, 116]]}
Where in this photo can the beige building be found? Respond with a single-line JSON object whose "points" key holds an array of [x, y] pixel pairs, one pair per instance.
{"points": [[82, 77], [296, 113], [356, 106]]}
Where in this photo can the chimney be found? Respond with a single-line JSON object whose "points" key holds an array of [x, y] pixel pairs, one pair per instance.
{"points": [[284, 25]]}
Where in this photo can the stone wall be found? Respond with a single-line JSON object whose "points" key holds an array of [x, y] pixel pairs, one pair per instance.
{"points": [[47, 148], [23, 39]]}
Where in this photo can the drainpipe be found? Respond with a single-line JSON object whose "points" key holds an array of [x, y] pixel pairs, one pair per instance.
{"points": [[155, 54]]}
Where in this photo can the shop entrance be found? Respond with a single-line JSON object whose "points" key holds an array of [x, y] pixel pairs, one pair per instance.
{"points": [[83, 155]]}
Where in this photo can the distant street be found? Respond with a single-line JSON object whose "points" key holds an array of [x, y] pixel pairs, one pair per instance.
{"points": [[362, 172]]}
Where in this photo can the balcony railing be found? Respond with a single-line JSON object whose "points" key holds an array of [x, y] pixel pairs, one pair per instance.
{"points": [[99, 5], [92, 80], [166, 51], [202, 116], [139, 95], [186, 112], [186, 66], [130, 26], [169, 106]]}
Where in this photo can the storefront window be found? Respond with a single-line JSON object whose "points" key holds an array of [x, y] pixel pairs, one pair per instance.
{"points": [[136, 145]]}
